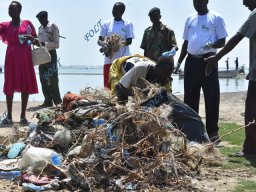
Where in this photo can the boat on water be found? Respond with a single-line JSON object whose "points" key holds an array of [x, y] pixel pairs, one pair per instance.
{"points": [[223, 73]]}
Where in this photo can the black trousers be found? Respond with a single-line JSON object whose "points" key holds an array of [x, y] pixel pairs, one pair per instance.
{"points": [[49, 80], [194, 80], [249, 147]]}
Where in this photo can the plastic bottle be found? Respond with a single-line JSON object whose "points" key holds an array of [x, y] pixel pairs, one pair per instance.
{"points": [[101, 121], [56, 159], [53, 185], [170, 53], [32, 127], [97, 122], [126, 153], [32, 187], [110, 136], [9, 174]]}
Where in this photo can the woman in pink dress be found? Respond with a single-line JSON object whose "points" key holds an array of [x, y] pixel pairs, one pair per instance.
{"points": [[19, 73]]}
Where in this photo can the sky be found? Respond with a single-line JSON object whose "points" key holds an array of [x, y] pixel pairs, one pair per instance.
{"points": [[77, 18]]}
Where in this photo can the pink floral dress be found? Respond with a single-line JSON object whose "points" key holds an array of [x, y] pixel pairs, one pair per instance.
{"points": [[19, 73]]}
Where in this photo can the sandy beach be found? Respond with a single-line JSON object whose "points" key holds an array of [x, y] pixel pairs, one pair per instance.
{"points": [[231, 108]]}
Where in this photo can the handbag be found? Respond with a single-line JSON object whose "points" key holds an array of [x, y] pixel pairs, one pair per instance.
{"points": [[40, 55]]}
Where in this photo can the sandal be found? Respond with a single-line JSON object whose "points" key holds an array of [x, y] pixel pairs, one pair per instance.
{"points": [[15, 150], [23, 120], [6, 121]]}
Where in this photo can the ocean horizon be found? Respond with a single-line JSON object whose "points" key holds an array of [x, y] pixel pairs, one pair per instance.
{"points": [[76, 78]]}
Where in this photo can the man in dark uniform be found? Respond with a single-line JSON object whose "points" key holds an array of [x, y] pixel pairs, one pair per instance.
{"points": [[157, 38]]}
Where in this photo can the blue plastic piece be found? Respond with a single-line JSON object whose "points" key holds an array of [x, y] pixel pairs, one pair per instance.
{"points": [[32, 187], [56, 159], [101, 121], [98, 122], [15, 150], [10, 175]]}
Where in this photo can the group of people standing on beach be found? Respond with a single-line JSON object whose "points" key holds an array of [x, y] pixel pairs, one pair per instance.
{"points": [[19, 73], [204, 33]]}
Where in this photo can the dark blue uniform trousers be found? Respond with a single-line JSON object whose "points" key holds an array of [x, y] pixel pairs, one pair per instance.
{"points": [[194, 80], [250, 116]]}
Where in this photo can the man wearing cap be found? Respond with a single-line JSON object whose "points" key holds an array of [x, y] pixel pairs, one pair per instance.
{"points": [[157, 38], [48, 35], [204, 32]]}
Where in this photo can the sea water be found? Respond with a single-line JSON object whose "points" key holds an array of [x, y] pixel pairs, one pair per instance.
{"points": [[75, 79]]}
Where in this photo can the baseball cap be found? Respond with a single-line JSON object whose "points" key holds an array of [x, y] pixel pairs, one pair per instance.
{"points": [[154, 10], [42, 14]]}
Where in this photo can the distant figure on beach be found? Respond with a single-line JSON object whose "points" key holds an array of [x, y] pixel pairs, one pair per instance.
{"points": [[19, 73], [236, 63], [121, 27], [157, 38], [248, 30], [204, 33], [227, 63], [125, 72], [48, 34]]}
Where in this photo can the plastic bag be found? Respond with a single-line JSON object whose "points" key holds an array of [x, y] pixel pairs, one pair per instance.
{"points": [[62, 138], [187, 120], [182, 116], [35, 157]]}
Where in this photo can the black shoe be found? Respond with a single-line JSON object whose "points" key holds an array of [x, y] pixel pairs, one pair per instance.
{"points": [[58, 104], [6, 121], [23, 121], [215, 139], [45, 105]]}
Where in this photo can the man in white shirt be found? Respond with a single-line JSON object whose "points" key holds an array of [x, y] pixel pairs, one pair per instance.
{"points": [[204, 32], [119, 26], [48, 35]]}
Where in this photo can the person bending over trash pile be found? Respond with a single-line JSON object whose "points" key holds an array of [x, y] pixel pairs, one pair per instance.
{"points": [[126, 71]]}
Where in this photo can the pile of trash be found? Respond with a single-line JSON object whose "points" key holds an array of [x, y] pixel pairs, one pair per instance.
{"points": [[91, 142]]}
